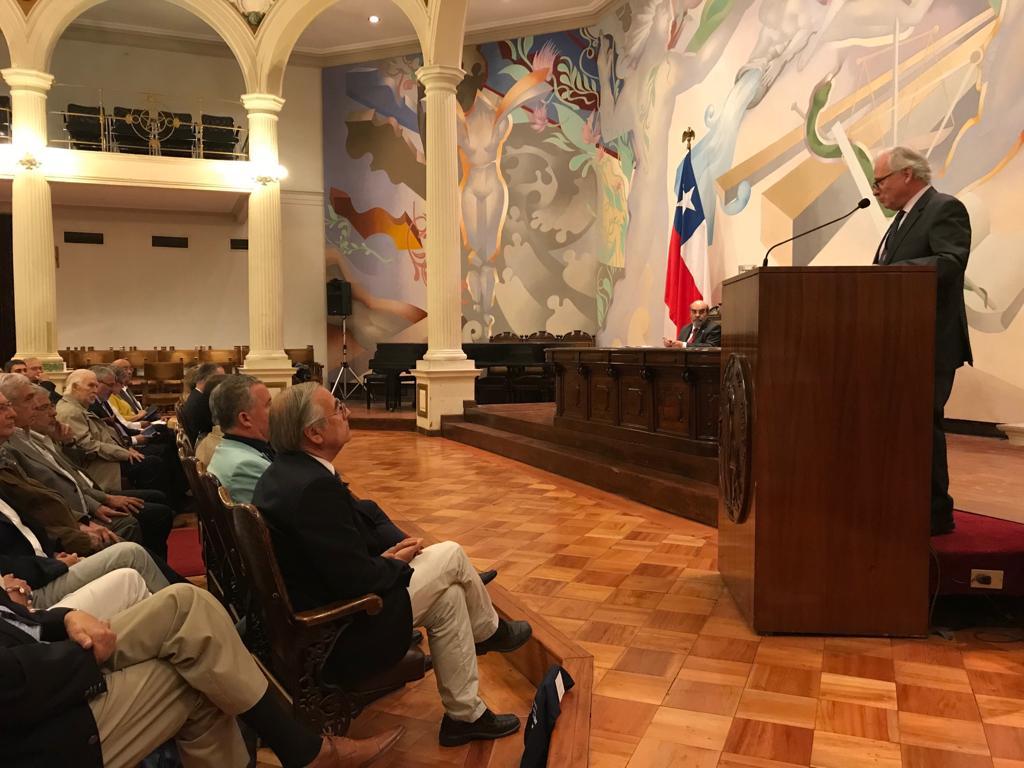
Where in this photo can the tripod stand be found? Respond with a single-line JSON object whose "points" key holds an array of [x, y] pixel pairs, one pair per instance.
{"points": [[349, 380]]}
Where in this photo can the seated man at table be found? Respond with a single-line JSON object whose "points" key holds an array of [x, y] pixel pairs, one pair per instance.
{"points": [[702, 331], [327, 553]]}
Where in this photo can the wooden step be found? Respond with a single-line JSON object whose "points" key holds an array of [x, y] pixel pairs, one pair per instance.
{"points": [[536, 421], [677, 494]]}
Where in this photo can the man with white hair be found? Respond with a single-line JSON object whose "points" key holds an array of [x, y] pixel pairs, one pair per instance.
{"points": [[97, 447], [930, 228], [327, 552]]}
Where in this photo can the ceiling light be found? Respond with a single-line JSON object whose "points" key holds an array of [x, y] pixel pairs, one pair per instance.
{"points": [[375, 19]]}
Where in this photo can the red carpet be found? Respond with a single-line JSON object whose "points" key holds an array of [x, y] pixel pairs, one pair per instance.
{"points": [[980, 543], [185, 553]]}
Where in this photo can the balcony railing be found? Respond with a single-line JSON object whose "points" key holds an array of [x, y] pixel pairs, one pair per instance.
{"points": [[148, 124]]}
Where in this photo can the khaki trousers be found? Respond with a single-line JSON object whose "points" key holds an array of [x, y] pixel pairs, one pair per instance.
{"points": [[452, 604], [108, 595], [179, 670], [124, 554]]}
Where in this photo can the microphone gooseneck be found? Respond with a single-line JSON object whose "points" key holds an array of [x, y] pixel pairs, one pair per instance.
{"points": [[863, 203]]}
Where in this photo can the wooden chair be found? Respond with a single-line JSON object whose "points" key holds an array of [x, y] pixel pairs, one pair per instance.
{"points": [[173, 355], [92, 357], [300, 643], [211, 537], [541, 336], [507, 337], [579, 337], [162, 383]]}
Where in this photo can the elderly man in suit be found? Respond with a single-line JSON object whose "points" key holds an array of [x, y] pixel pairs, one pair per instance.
{"points": [[79, 691], [701, 331], [196, 418], [95, 445], [327, 552], [934, 229], [133, 518]]}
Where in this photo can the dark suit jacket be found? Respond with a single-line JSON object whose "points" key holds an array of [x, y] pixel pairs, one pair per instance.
{"points": [[13, 542], [710, 334], [328, 552], [937, 231], [44, 690], [195, 412]]}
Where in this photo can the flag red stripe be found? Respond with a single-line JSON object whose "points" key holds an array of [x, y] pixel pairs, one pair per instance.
{"points": [[680, 288]]}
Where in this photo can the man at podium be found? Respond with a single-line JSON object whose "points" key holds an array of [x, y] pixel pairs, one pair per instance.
{"points": [[701, 332], [930, 228]]}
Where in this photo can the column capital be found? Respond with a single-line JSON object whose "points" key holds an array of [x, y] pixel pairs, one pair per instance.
{"points": [[440, 77], [265, 103], [28, 79]]}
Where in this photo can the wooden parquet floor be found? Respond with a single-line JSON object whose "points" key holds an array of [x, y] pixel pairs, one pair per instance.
{"points": [[679, 678]]}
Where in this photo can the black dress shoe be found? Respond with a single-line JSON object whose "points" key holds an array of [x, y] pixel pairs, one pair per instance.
{"points": [[488, 726], [417, 637], [943, 528], [509, 636], [488, 576]]}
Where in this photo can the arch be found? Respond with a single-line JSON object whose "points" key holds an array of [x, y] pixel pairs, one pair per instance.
{"points": [[49, 18], [12, 25], [288, 19], [447, 32]]}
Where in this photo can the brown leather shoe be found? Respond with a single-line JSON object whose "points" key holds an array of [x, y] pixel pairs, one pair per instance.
{"points": [[342, 752]]}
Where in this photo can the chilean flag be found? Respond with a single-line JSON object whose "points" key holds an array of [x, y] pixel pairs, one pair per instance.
{"points": [[687, 276]]}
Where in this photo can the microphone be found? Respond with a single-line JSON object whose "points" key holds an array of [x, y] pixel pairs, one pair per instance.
{"points": [[864, 203]]}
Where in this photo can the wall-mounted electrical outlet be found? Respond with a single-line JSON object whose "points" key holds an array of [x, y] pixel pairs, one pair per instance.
{"points": [[981, 579]]}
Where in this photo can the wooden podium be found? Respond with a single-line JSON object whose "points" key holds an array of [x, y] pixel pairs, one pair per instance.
{"points": [[825, 448]]}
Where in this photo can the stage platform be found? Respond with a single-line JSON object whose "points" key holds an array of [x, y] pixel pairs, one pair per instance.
{"points": [[683, 484]]}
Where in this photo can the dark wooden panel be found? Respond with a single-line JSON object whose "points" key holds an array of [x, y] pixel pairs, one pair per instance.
{"points": [[573, 387], [842, 383], [603, 394], [672, 396], [635, 397]]}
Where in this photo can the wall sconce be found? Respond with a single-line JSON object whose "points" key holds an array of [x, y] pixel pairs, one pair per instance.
{"points": [[270, 174]]}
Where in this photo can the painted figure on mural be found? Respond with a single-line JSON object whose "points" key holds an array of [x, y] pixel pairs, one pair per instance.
{"points": [[483, 128]]}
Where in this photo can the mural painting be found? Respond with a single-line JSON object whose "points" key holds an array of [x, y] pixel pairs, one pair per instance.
{"points": [[580, 201]]}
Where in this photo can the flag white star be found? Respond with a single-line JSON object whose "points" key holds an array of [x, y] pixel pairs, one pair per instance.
{"points": [[687, 202]]}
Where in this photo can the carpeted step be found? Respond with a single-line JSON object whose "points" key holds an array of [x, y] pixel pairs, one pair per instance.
{"points": [[677, 494]]}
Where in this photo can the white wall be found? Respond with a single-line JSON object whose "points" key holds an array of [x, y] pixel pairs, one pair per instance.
{"points": [[127, 293]]}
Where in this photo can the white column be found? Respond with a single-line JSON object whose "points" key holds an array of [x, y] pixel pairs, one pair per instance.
{"points": [[266, 358], [35, 267], [444, 378]]}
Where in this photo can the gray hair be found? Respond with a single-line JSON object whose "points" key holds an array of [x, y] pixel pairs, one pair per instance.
{"points": [[291, 412], [901, 158], [230, 397], [104, 371], [13, 383], [43, 391]]}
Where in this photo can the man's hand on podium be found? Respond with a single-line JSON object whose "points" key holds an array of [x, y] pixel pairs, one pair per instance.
{"points": [[671, 342]]}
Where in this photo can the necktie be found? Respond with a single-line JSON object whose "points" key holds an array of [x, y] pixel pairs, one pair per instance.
{"points": [[883, 255], [693, 335]]}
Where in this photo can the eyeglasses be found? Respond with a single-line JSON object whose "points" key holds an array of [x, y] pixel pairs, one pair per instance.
{"points": [[878, 181]]}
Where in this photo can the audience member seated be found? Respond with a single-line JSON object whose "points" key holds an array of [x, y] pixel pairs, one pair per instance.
{"points": [[158, 443], [240, 405], [15, 365], [155, 518], [37, 375], [328, 553], [125, 373], [83, 692], [196, 417], [209, 441], [701, 330], [40, 466], [95, 445], [104, 598]]}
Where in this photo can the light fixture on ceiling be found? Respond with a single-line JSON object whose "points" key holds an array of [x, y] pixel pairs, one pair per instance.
{"points": [[374, 19]]}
